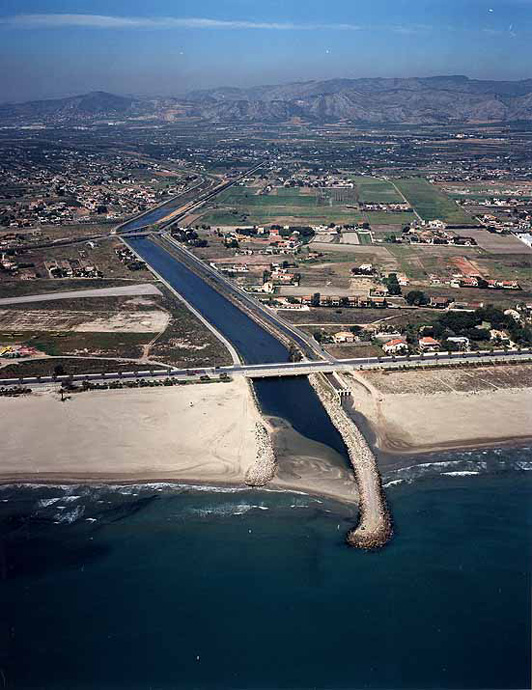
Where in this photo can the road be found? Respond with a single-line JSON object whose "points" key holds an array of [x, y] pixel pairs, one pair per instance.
{"points": [[206, 196], [303, 368], [159, 212], [136, 289]]}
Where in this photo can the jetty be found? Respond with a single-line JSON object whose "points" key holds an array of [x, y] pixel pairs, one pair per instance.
{"points": [[374, 528]]}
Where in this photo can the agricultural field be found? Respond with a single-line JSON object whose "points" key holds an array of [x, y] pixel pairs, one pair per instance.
{"points": [[293, 205], [487, 189], [240, 205], [498, 244], [318, 316], [430, 202], [372, 190]]}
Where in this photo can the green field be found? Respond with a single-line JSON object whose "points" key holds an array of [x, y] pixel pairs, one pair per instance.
{"points": [[241, 205], [364, 237], [372, 190], [430, 203]]}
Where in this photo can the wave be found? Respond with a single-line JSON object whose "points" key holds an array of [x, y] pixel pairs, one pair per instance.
{"points": [[481, 464], [227, 509], [69, 517], [458, 473], [46, 502]]}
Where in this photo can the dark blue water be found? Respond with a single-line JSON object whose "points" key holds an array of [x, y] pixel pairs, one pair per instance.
{"points": [[168, 588], [253, 343], [292, 399]]}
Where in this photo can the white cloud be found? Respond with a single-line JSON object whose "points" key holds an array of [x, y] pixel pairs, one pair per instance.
{"points": [[100, 21]]}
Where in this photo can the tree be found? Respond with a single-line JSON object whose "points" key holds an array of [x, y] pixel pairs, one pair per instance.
{"points": [[393, 284], [417, 298], [59, 370]]}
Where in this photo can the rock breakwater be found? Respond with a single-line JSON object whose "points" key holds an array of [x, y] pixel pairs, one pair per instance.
{"points": [[374, 527], [265, 466], [263, 469]]}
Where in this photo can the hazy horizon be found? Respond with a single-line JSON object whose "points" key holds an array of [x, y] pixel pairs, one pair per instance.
{"points": [[184, 93], [58, 48]]}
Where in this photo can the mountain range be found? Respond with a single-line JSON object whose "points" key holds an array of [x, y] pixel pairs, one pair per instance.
{"points": [[416, 100]]}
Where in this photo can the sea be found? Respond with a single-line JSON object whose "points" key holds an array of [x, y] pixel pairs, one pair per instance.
{"points": [[172, 586]]}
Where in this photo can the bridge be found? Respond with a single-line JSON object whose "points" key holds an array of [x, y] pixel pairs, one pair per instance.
{"points": [[302, 368]]}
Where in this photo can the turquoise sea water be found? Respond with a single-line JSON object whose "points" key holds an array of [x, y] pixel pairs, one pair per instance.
{"points": [[172, 587]]}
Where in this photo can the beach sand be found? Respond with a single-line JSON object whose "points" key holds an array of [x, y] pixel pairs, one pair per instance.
{"points": [[200, 434], [309, 466], [192, 433], [438, 418]]}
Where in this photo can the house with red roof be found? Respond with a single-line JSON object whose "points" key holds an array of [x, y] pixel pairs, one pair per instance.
{"points": [[428, 344]]}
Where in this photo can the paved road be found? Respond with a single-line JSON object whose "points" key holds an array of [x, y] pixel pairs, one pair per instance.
{"points": [[206, 196], [299, 368], [137, 289], [159, 212]]}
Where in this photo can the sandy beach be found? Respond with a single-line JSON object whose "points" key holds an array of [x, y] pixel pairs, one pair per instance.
{"points": [[192, 433], [417, 412], [309, 466], [200, 434], [207, 434]]}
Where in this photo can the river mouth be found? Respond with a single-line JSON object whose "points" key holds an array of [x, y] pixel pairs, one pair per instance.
{"points": [[290, 398], [309, 466]]}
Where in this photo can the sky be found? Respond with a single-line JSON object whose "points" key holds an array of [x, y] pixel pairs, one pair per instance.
{"points": [[55, 48]]}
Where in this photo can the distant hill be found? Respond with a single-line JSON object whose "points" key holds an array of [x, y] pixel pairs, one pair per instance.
{"points": [[89, 106], [430, 100], [378, 101]]}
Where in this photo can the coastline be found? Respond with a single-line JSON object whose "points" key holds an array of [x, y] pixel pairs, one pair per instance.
{"points": [[202, 432], [201, 435], [216, 436], [440, 418]]}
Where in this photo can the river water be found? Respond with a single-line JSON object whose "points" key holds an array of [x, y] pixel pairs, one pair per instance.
{"points": [[293, 399], [155, 215]]}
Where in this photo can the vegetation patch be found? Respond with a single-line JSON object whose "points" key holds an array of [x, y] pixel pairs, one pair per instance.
{"points": [[430, 202]]}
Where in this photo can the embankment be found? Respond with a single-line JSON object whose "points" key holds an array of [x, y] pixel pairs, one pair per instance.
{"points": [[374, 528], [265, 466]]}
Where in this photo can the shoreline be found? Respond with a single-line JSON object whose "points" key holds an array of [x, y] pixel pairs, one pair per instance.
{"points": [[199, 486], [204, 436], [441, 411], [390, 451]]}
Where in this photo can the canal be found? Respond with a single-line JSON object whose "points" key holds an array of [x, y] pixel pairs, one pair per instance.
{"points": [[157, 214], [292, 399]]}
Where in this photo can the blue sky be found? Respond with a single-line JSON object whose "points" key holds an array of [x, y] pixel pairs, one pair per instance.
{"points": [[52, 48]]}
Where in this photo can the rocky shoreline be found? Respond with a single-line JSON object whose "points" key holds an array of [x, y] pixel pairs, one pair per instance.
{"points": [[374, 528], [265, 466]]}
